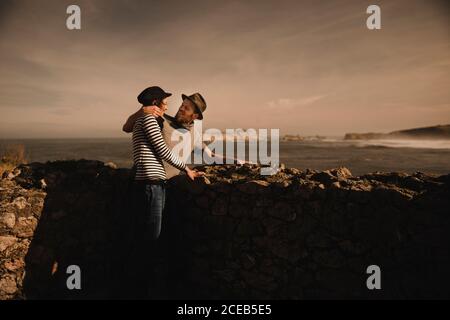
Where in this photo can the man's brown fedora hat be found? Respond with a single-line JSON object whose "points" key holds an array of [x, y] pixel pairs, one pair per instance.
{"points": [[198, 101]]}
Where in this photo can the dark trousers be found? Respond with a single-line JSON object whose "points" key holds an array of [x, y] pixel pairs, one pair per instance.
{"points": [[147, 203], [174, 242]]}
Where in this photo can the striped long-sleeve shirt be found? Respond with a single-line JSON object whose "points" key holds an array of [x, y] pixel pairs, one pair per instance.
{"points": [[149, 150]]}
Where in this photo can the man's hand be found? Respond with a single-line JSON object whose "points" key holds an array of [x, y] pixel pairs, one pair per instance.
{"points": [[153, 110], [193, 174], [128, 126], [242, 162]]}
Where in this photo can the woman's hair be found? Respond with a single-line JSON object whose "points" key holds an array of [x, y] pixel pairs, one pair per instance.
{"points": [[157, 102], [160, 120]]}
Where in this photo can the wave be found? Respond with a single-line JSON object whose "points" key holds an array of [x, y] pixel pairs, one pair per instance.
{"points": [[401, 143]]}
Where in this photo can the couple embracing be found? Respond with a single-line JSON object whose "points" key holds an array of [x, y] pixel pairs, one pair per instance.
{"points": [[152, 155], [155, 163]]}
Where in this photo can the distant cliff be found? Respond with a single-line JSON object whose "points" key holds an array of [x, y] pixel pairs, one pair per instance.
{"points": [[298, 234], [297, 137], [436, 132]]}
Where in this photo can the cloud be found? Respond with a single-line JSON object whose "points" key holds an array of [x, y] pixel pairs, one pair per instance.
{"points": [[19, 95], [241, 55], [287, 103]]}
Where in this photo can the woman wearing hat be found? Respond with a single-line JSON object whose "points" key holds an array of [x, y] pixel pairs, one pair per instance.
{"points": [[149, 151], [148, 189]]}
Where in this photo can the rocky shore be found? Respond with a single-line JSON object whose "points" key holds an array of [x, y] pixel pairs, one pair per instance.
{"points": [[299, 234], [440, 132]]}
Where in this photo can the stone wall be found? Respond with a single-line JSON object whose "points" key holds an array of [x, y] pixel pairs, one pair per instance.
{"points": [[295, 235]]}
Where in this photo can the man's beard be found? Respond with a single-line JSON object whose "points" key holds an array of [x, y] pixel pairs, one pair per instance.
{"points": [[180, 119]]}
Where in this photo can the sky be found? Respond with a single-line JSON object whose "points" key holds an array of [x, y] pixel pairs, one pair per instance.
{"points": [[304, 67]]}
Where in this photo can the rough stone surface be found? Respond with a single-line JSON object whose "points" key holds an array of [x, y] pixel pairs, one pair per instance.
{"points": [[298, 234]]}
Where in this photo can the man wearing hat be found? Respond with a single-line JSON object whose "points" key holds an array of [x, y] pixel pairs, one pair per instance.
{"points": [[192, 108], [149, 184]]}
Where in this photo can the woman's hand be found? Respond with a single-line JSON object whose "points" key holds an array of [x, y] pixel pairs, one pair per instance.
{"points": [[193, 174], [153, 110]]}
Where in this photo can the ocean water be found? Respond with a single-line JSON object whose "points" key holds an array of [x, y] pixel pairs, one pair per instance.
{"points": [[359, 156]]}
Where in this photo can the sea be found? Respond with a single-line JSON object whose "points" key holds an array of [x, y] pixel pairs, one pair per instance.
{"points": [[360, 156]]}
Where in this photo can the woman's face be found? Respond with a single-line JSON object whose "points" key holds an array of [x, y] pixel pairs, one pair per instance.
{"points": [[164, 105]]}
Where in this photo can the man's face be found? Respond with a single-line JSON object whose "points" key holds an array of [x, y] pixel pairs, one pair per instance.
{"points": [[186, 112]]}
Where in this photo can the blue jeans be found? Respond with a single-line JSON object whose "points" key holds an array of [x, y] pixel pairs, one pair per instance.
{"points": [[148, 202]]}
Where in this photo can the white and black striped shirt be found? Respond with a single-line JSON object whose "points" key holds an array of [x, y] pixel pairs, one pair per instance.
{"points": [[149, 150]]}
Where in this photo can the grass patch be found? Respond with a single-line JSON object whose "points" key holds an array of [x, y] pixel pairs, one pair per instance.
{"points": [[11, 156]]}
